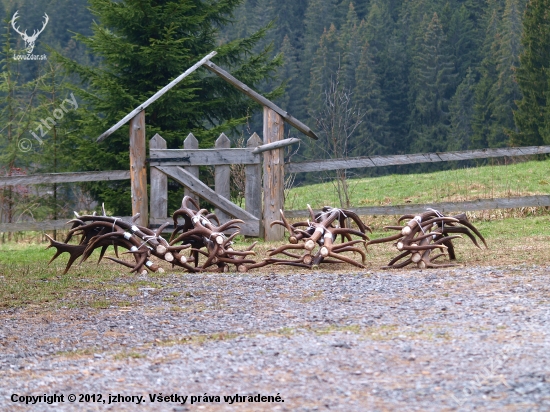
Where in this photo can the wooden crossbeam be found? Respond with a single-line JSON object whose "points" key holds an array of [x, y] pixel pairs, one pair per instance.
{"points": [[252, 223]]}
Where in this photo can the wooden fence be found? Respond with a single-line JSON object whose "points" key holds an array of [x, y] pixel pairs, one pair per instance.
{"points": [[182, 165]]}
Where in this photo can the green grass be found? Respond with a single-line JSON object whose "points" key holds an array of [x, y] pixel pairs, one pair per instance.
{"points": [[514, 236], [486, 182], [27, 279]]}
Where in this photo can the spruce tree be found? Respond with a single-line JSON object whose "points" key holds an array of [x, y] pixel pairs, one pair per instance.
{"points": [[349, 40], [372, 135], [461, 111], [481, 123], [143, 45], [505, 91], [532, 116], [326, 62], [434, 76]]}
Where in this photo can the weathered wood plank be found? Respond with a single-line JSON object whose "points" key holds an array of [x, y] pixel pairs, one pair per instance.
{"points": [[274, 175], [154, 97], [47, 178], [276, 145], [253, 184], [222, 177], [377, 161], [202, 157], [191, 143], [159, 184], [195, 185], [260, 99], [138, 171], [39, 226], [444, 207]]}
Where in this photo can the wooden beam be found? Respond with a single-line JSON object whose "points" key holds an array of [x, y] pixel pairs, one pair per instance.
{"points": [[138, 171], [39, 226], [191, 143], [276, 145], [377, 161], [260, 99], [195, 185], [222, 176], [47, 178], [274, 176], [444, 207], [202, 157], [159, 184], [154, 97], [253, 183]]}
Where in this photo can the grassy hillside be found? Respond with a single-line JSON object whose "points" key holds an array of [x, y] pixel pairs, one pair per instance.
{"points": [[486, 182]]}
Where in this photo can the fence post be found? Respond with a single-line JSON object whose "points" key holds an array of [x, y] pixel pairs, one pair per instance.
{"points": [[274, 175], [159, 184], [138, 171], [253, 185], [191, 142], [222, 176]]}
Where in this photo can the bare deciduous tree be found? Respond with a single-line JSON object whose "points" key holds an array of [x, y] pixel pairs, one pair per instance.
{"points": [[337, 120]]}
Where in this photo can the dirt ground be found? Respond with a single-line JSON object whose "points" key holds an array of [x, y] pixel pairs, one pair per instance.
{"points": [[465, 338]]}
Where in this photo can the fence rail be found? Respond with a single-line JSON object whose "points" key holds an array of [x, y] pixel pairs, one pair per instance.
{"points": [[39, 226], [46, 178], [444, 207], [377, 161]]}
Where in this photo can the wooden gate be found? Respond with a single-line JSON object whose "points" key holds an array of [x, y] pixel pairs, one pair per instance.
{"points": [[182, 165]]}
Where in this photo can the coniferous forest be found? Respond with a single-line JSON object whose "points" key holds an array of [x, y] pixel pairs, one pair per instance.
{"points": [[422, 75], [371, 77]]}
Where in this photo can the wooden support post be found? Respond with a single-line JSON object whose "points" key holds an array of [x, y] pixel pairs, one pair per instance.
{"points": [[253, 184], [273, 175], [159, 184], [138, 172], [222, 178], [191, 142]]}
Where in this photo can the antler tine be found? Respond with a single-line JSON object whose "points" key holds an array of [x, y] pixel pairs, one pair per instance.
{"points": [[229, 225], [189, 199], [311, 213], [463, 220], [74, 252], [355, 217], [345, 230], [212, 216]]}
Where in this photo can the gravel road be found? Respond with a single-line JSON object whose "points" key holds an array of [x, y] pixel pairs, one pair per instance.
{"points": [[466, 338]]}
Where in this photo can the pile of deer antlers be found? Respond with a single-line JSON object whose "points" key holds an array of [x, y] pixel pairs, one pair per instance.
{"points": [[323, 238], [198, 232], [197, 229], [103, 231], [426, 233], [320, 231]]}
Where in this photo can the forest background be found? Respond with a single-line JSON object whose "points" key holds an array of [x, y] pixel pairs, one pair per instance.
{"points": [[414, 76]]}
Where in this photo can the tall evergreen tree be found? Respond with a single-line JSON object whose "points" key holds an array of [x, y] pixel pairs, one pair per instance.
{"points": [[462, 110], [505, 91], [482, 116], [326, 62], [372, 135], [533, 75], [143, 45], [349, 40], [433, 75]]}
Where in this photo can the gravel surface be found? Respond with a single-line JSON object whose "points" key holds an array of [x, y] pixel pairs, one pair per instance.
{"points": [[468, 338]]}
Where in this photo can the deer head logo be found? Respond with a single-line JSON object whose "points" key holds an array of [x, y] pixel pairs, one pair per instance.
{"points": [[29, 40]]}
